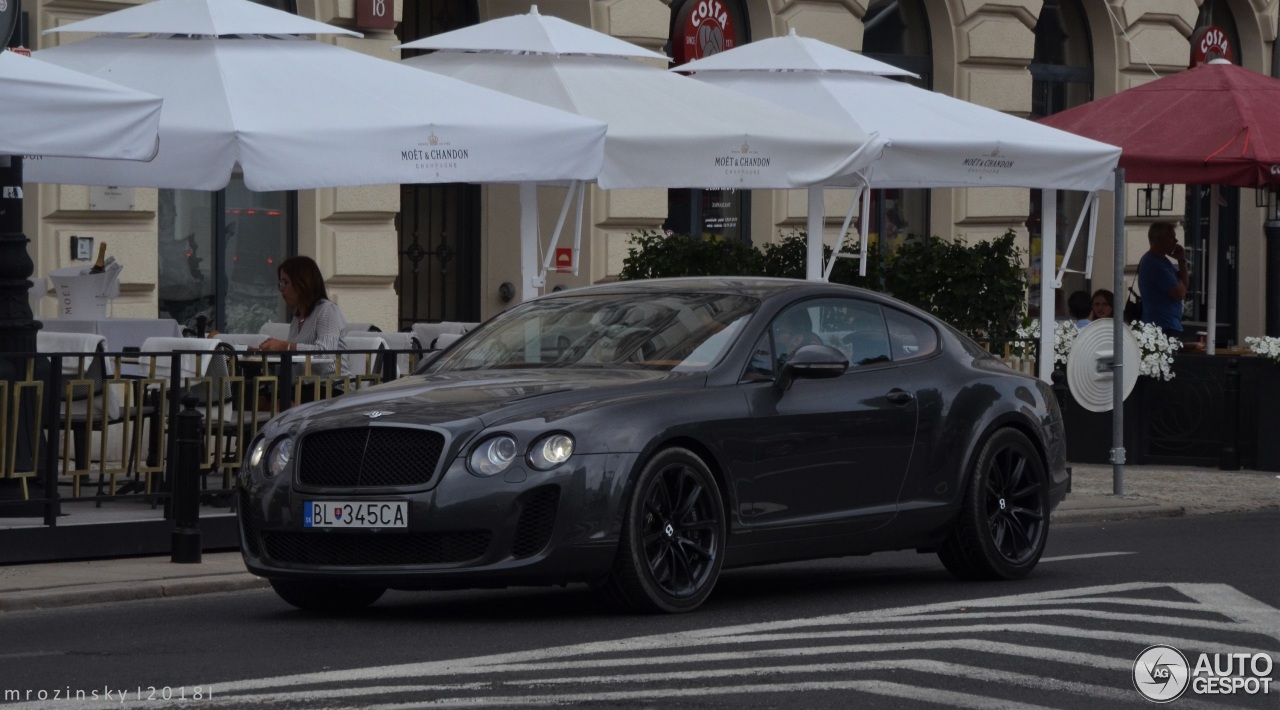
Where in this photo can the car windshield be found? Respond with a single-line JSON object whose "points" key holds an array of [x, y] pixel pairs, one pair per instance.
{"points": [[672, 331]]}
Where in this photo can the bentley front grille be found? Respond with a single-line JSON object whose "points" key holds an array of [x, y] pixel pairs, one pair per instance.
{"points": [[369, 457]]}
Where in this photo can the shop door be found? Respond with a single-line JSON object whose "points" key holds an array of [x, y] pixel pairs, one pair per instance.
{"points": [[438, 225]]}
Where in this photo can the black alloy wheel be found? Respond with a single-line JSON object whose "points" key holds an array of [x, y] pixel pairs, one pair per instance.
{"points": [[672, 544], [1004, 525], [1015, 507]]}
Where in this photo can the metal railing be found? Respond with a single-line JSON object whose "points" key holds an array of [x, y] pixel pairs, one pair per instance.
{"points": [[100, 426]]}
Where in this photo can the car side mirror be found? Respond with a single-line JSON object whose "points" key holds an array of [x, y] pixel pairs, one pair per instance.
{"points": [[812, 362]]}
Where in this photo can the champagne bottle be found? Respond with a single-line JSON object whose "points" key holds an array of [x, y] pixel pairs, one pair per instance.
{"points": [[100, 265]]}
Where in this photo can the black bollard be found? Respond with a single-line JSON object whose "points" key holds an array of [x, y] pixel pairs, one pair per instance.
{"points": [[1229, 457], [185, 541]]}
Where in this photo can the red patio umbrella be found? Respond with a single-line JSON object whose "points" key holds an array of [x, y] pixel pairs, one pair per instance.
{"points": [[1216, 124]]}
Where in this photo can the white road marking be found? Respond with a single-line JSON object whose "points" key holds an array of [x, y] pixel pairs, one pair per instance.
{"points": [[932, 695], [759, 652], [1062, 558]]}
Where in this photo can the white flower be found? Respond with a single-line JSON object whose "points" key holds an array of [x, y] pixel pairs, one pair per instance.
{"points": [[1064, 335], [1267, 347], [1155, 349]]}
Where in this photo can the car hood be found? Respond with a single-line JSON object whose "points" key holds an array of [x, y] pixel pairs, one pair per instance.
{"points": [[486, 397]]}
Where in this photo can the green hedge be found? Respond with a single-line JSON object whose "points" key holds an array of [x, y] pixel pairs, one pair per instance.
{"points": [[979, 288]]}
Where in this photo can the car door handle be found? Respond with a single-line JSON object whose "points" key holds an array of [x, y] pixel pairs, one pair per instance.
{"points": [[899, 396]]}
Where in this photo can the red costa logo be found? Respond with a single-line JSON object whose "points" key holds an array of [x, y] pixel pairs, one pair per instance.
{"points": [[706, 28]]}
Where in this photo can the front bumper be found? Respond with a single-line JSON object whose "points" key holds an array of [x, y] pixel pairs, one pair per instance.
{"points": [[520, 527]]}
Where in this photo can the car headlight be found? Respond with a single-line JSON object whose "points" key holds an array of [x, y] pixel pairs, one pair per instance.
{"points": [[257, 452], [279, 457], [550, 451], [492, 456]]}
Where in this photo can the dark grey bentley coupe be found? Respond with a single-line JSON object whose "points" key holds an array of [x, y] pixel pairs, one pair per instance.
{"points": [[642, 436]]}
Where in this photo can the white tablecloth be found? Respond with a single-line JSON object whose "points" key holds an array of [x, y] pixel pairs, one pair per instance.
{"points": [[120, 333]]}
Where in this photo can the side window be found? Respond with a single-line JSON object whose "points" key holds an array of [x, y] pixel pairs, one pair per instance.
{"points": [[910, 336], [791, 330], [854, 327], [857, 329]]}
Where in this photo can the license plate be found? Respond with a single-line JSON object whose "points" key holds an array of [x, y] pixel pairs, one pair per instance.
{"points": [[355, 514]]}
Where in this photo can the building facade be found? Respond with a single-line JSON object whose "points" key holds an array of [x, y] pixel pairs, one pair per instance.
{"points": [[398, 254]]}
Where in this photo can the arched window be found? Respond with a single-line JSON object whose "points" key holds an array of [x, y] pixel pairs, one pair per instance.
{"points": [[1062, 77], [897, 32], [700, 28]]}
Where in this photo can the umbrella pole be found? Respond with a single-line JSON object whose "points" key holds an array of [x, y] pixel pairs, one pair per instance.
{"points": [[813, 254], [1211, 255], [530, 281], [1048, 274], [1117, 339]]}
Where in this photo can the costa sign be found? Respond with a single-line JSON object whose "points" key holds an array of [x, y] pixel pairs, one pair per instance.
{"points": [[705, 27], [1210, 43]]}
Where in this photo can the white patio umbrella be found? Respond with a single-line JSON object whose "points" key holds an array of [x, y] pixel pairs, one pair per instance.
{"points": [[49, 110], [664, 130], [934, 140], [242, 92]]}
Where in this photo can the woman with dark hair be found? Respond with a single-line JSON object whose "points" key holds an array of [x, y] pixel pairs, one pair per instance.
{"points": [[315, 322], [1103, 305]]}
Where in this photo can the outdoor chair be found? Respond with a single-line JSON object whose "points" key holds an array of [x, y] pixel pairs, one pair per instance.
{"points": [[229, 408], [408, 352], [444, 340], [93, 397], [368, 360], [426, 333]]}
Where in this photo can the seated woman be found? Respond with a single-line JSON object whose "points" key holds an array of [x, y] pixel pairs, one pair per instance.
{"points": [[316, 322]]}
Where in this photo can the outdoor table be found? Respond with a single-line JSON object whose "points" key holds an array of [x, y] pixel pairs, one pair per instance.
{"points": [[120, 333]]}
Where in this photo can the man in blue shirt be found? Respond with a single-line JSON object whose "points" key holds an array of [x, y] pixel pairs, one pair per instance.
{"points": [[1163, 286]]}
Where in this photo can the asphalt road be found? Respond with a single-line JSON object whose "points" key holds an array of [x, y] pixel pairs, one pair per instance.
{"points": [[890, 630]]}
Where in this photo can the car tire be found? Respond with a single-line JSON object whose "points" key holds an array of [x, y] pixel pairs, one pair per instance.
{"points": [[314, 596], [1004, 522], [673, 535]]}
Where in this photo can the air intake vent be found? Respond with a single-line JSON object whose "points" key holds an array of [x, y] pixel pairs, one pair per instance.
{"points": [[537, 521]]}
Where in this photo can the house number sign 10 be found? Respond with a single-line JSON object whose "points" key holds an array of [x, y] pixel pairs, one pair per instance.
{"points": [[375, 14]]}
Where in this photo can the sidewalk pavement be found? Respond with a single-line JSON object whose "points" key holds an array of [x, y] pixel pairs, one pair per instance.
{"points": [[1149, 491]]}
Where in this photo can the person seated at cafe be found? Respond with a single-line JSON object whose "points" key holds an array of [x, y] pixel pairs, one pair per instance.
{"points": [[1078, 306], [1103, 305], [316, 323]]}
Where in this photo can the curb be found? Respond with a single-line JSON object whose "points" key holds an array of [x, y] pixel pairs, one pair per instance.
{"points": [[128, 591], [1118, 511]]}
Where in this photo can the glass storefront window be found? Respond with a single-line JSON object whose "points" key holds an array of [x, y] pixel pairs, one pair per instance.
{"points": [[219, 253]]}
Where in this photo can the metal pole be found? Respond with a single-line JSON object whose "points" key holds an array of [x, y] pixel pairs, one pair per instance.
{"points": [[814, 242], [185, 545], [1048, 275], [1117, 339]]}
